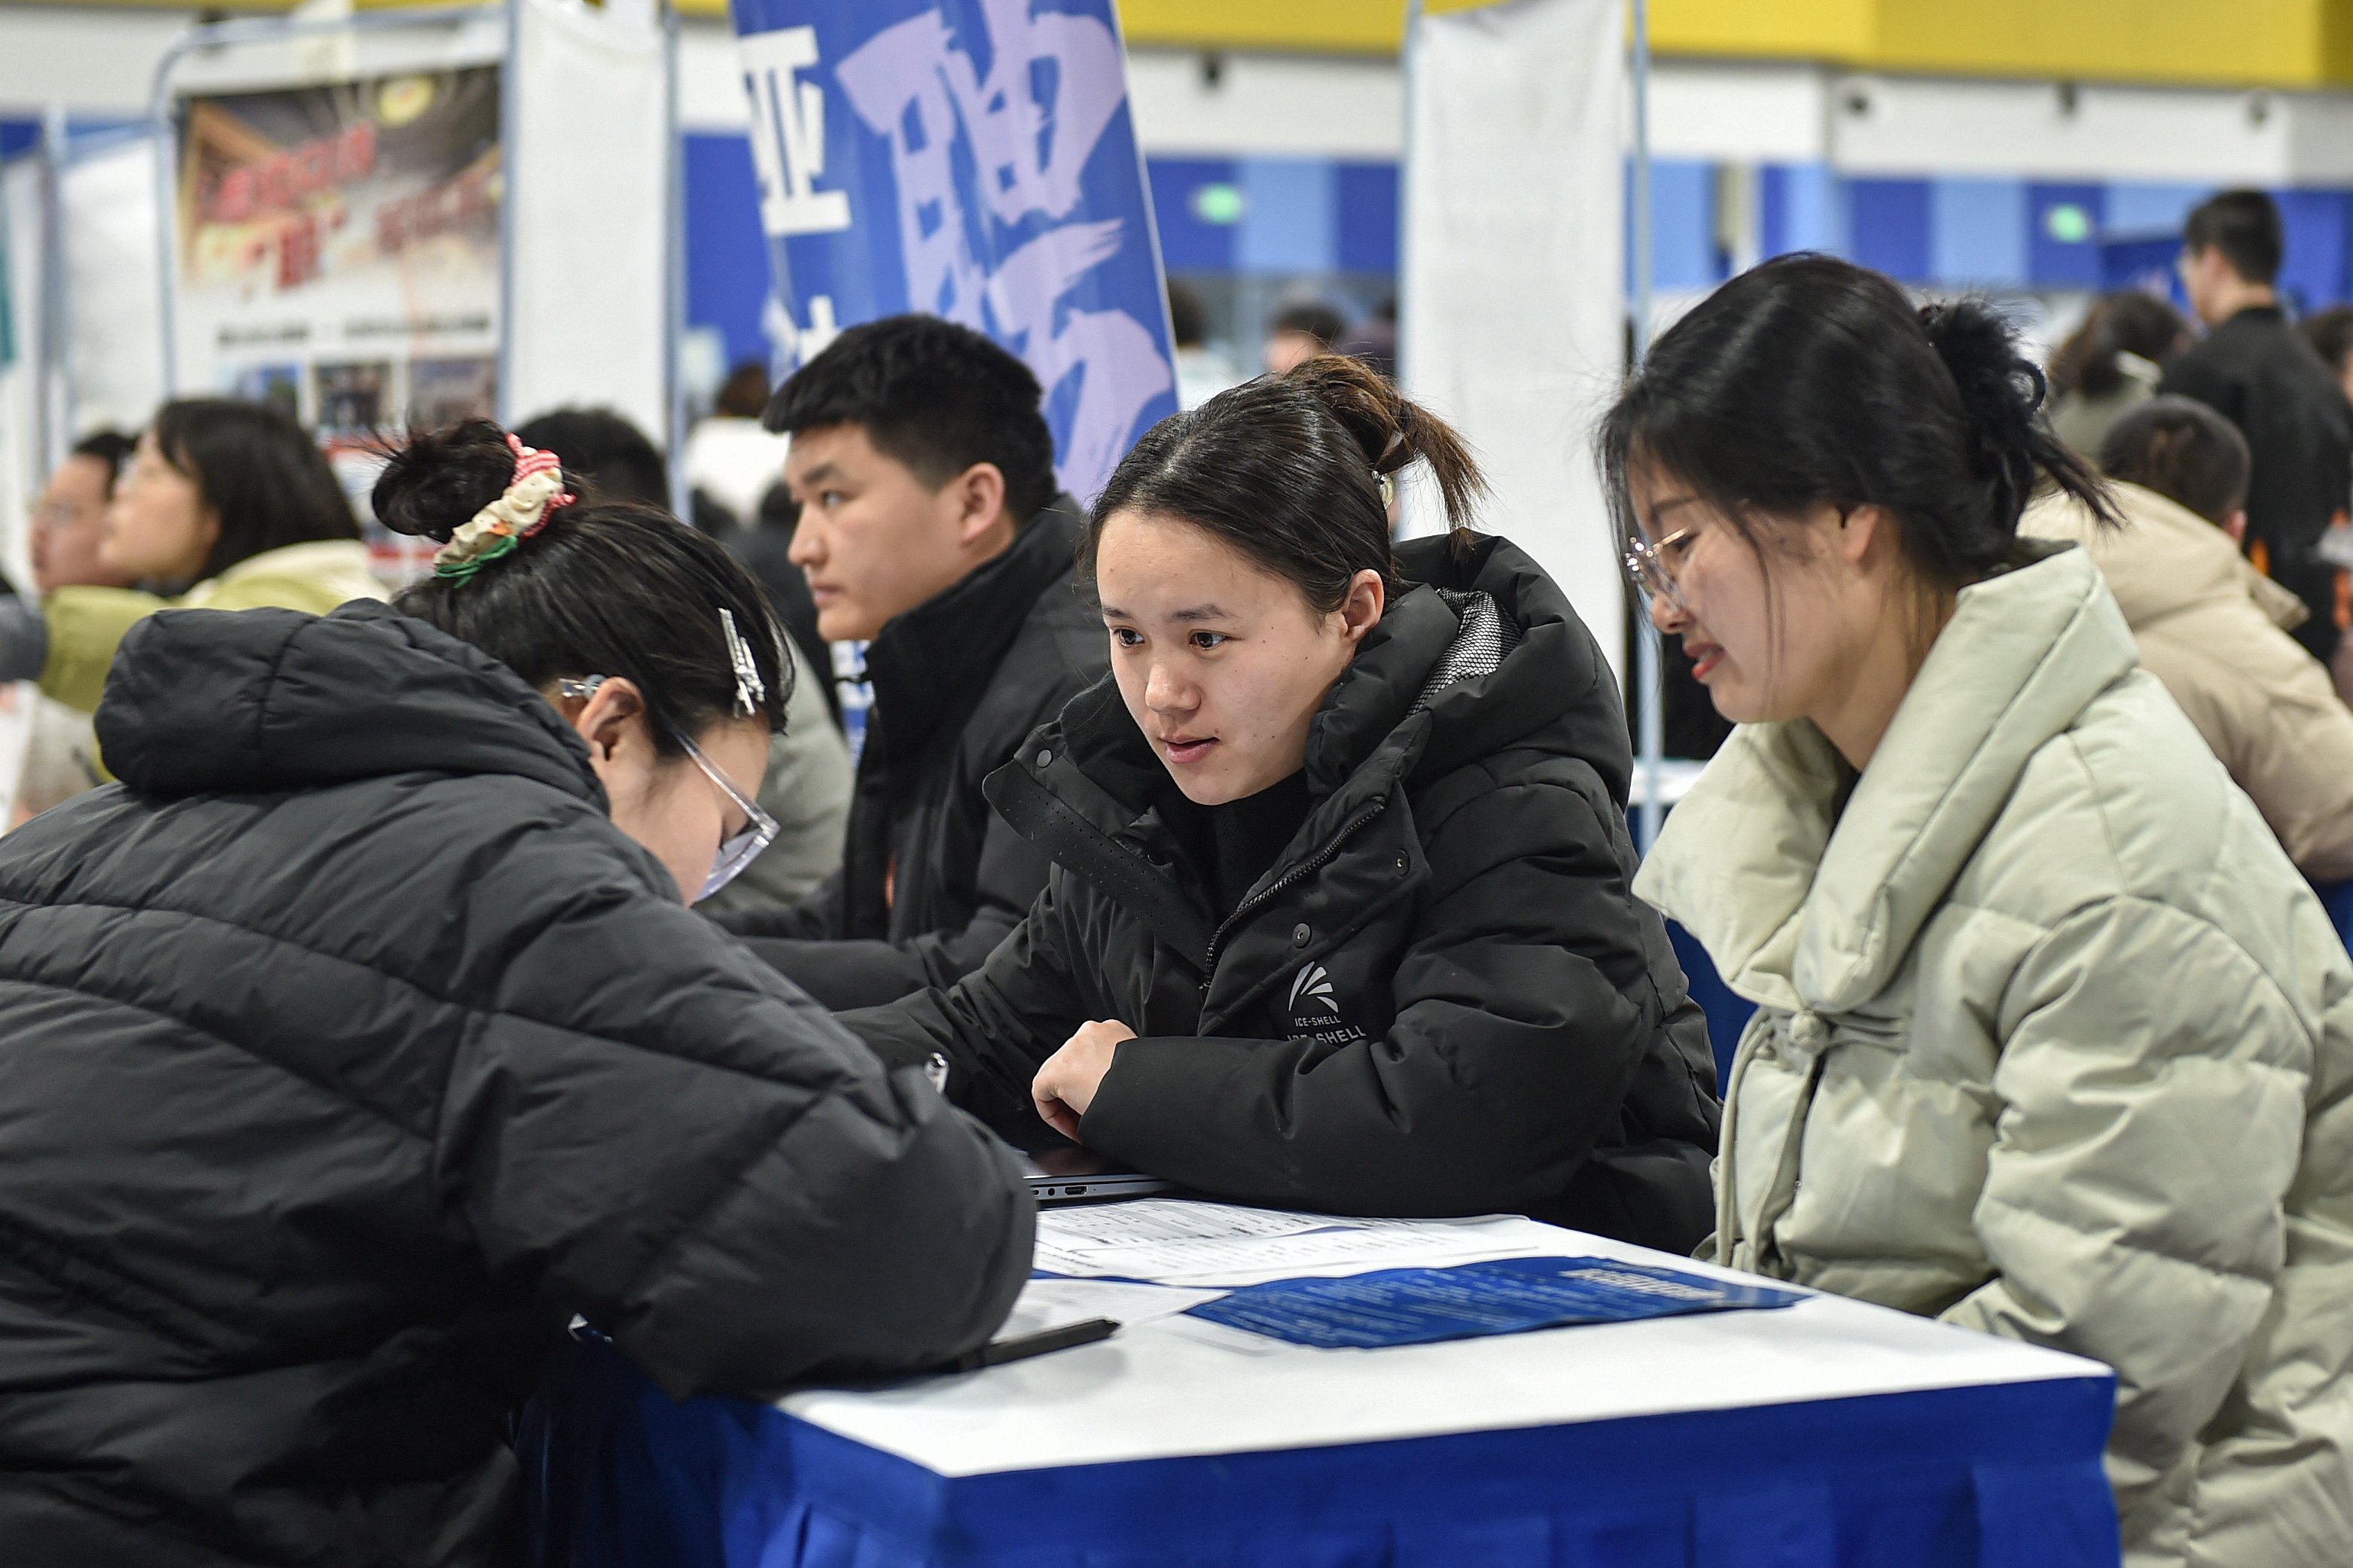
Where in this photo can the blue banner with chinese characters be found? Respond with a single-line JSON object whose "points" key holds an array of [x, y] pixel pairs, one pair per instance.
{"points": [[974, 159]]}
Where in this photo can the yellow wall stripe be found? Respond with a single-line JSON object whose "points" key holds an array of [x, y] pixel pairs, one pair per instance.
{"points": [[2232, 43]]}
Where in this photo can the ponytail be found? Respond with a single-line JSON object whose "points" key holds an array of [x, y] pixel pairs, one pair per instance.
{"points": [[2130, 322], [1392, 431], [2013, 449], [1294, 471], [1809, 382]]}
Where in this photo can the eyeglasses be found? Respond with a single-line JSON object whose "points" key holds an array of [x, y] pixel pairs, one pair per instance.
{"points": [[1646, 564], [736, 851], [745, 847]]}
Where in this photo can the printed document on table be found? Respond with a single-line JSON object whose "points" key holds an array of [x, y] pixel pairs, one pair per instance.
{"points": [[1051, 1303], [1172, 1241]]}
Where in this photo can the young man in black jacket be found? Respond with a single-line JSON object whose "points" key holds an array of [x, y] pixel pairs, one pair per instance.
{"points": [[929, 524], [2258, 372]]}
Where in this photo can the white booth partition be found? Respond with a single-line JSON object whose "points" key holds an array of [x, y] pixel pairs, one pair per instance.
{"points": [[1512, 305]]}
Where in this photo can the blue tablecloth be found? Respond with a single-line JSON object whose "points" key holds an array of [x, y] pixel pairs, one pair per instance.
{"points": [[2005, 1476]]}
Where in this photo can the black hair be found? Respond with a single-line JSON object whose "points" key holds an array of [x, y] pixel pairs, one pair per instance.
{"points": [[2244, 226], [1287, 469], [608, 587], [934, 395], [258, 471], [778, 511], [2330, 333], [1187, 318], [111, 449], [1315, 319], [744, 393], [2129, 321], [601, 449], [2183, 450], [1812, 381]]}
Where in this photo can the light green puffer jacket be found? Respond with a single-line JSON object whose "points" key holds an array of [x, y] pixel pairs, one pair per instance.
{"points": [[86, 624], [2052, 1042]]}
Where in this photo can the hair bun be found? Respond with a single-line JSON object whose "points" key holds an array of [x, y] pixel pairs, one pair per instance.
{"points": [[436, 481], [2001, 395]]}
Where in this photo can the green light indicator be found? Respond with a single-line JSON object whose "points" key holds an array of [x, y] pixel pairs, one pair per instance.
{"points": [[1218, 203], [2068, 223]]}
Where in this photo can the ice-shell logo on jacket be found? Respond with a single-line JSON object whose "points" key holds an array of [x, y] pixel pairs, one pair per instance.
{"points": [[1314, 1012]]}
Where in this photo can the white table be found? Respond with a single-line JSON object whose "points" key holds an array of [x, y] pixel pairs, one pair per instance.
{"points": [[1826, 1432]]}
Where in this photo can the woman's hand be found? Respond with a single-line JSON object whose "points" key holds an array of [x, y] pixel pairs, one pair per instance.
{"points": [[1066, 1085]]}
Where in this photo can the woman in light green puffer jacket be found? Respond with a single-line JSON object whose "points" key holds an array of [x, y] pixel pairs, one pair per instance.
{"points": [[2052, 1039], [227, 506]]}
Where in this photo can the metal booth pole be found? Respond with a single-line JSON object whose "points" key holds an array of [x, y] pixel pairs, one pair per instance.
{"points": [[1650, 701]]}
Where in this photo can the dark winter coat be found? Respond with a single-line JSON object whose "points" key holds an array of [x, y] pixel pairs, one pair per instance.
{"points": [[1443, 998], [930, 880], [349, 1051], [2258, 372]]}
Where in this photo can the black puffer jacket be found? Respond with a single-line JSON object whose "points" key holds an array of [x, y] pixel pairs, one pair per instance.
{"points": [[1443, 998], [348, 1052], [930, 880]]}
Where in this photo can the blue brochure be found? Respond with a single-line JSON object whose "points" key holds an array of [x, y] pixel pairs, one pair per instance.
{"points": [[1469, 1300]]}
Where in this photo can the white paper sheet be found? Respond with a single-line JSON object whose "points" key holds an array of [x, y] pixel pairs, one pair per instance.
{"points": [[1173, 1241], [1050, 1303]]}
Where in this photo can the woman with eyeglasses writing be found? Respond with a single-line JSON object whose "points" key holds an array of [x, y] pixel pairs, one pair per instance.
{"points": [[2051, 1042], [363, 1036]]}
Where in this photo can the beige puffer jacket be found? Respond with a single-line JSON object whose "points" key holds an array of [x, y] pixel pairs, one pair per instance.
{"points": [[2052, 1042], [2211, 627]]}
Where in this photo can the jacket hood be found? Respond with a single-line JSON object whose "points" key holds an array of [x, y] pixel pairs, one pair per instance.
{"points": [[2165, 559], [203, 701], [1516, 660], [1804, 906]]}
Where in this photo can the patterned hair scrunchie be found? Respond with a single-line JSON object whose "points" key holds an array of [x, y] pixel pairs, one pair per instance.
{"points": [[495, 532]]}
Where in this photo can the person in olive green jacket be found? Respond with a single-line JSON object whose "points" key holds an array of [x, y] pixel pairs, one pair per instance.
{"points": [[2051, 1041], [227, 506]]}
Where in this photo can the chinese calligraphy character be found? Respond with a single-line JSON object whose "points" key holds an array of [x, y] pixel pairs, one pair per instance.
{"points": [[1026, 129], [788, 134]]}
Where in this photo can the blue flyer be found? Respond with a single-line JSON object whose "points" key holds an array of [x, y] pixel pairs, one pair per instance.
{"points": [[1469, 1300]]}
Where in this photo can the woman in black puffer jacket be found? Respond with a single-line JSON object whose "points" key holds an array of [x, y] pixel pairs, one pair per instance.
{"points": [[363, 1036], [1339, 915]]}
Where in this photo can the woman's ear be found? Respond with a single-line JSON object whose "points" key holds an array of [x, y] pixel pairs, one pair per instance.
{"points": [[611, 720], [1860, 530], [1360, 612]]}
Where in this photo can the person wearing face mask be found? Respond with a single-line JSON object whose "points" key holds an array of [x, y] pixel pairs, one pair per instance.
{"points": [[929, 524], [807, 784], [2051, 1041], [1340, 914], [227, 506], [362, 1037]]}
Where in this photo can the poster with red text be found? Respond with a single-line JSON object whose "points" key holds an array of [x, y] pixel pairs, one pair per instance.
{"points": [[339, 252]]}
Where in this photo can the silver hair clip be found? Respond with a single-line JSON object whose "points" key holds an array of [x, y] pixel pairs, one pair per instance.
{"points": [[1388, 490], [750, 689]]}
